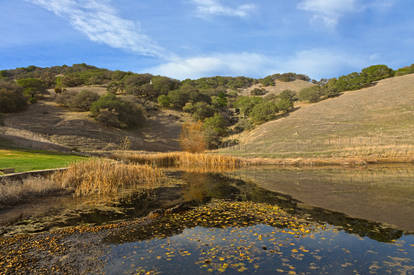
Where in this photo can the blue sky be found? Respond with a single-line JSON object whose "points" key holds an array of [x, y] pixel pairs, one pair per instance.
{"points": [[196, 38]]}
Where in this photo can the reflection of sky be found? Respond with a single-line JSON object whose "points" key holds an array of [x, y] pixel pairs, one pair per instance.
{"points": [[327, 250]]}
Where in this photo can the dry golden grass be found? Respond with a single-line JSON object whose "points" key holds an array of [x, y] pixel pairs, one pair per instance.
{"points": [[192, 137], [374, 122], [280, 86], [184, 160], [102, 176], [12, 192]]}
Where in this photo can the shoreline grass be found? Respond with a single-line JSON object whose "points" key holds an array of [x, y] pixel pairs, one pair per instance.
{"points": [[183, 160], [14, 192], [103, 176]]}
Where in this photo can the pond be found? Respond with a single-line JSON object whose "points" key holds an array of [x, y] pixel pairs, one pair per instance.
{"points": [[255, 220]]}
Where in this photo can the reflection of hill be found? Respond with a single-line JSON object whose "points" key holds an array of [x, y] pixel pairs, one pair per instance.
{"points": [[202, 188], [374, 193]]}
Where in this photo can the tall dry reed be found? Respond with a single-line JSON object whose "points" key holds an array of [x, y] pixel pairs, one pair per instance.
{"points": [[13, 192], [184, 160], [102, 176]]}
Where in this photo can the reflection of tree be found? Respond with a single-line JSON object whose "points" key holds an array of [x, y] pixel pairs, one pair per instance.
{"points": [[202, 188]]}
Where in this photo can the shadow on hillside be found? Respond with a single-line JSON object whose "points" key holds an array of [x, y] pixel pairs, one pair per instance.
{"points": [[9, 142], [286, 114], [45, 124]]}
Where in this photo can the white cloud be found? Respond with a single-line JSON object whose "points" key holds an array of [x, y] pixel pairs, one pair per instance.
{"points": [[100, 22], [316, 63], [217, 64], [215, 7], [328, 11], [331, 11]]}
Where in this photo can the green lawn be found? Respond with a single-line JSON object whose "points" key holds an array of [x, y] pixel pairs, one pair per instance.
{"points": [[25, 160]]}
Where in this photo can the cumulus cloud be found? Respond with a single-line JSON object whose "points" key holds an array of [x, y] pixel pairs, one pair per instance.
{"points": [[215, 7], [316, 63], [99, 21]]}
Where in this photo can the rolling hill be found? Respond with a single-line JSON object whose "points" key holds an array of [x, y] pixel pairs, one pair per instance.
{"points": [[48, 126], [279, 87], [377, 121]]}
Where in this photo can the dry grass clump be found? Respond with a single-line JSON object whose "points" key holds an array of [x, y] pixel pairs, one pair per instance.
{"points": [[12, 192], [184, 160], [102, 176], [192, 138]]}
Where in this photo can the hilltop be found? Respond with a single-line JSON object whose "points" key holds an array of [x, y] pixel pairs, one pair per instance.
{"points": [[376, 121]]}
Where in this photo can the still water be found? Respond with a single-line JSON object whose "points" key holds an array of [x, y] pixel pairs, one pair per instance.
{"points": [[262, 221]]}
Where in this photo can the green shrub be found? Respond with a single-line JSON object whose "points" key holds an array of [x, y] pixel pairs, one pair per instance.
{"points": [[202, 110], [33, 88], [258, 91], [376, 72], [11, 98], [405, 70], [267, 81], [215, 128], [264, 111], [243, 125], [284, 104], [310, 94], [289, 95], [115, 112], [178, 99], [83, 100], [246, 103], [164, 101]]}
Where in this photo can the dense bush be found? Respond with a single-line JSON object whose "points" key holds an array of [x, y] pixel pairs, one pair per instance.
{"points": [[164, 101], [267, 81], [310, 94], [33, 88], [264, 111], [84, 100], [215, 128], [115, 112], [11, 98], [258, 91], [220, 81], [202, 110], [245, 104], [376, 72], [65, 98], [178, 98], [288, 95], [81, 101], [286, 77], [162, 85], [405, 70], [284, 104], [243, 125]]}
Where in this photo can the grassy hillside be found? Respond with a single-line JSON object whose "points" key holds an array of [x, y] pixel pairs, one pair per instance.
{"points": [[47, 126], [374, 121], [280, 86]]}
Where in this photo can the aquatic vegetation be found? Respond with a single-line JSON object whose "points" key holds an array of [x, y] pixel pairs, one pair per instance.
{"points": [[102, 176], [196, 162]]}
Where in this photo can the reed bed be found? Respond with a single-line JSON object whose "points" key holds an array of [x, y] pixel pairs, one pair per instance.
{"points": [[13, 192], [102, 176], [196, 162]]}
